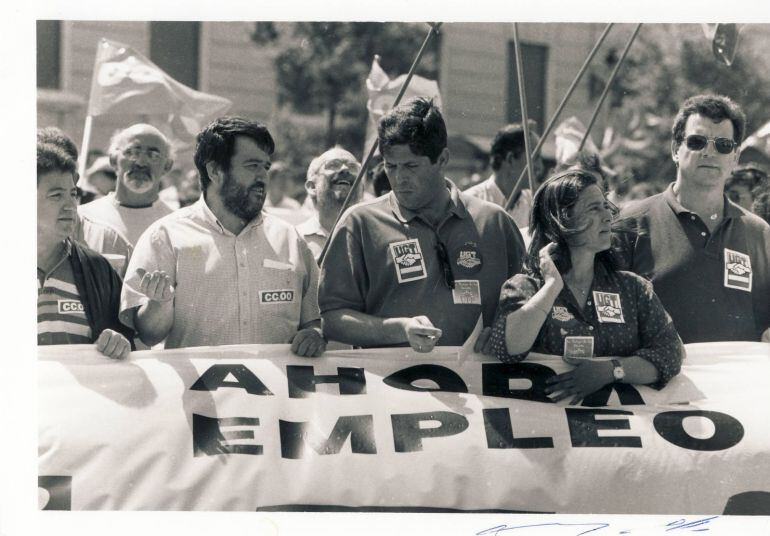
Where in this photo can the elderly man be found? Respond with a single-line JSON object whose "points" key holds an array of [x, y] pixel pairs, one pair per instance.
{"points": [[508, 159], [329, 179], [708, 259], [219, 271], [417, 266], [140, 156], [78, 291]]}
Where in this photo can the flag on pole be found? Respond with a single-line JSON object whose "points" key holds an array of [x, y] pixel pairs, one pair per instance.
{"points": [[383, 91], [724, 40], [568, 136], [125, 82]]}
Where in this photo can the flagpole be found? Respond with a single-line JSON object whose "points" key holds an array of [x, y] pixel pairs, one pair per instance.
{"points": [[82, 161], [434, 28], [559, 109], [607, 87], [523, 103]]}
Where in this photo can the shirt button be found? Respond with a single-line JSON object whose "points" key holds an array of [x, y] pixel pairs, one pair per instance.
{"points": [[590, 328], [703, 234], [589, 302], [692, 218]]}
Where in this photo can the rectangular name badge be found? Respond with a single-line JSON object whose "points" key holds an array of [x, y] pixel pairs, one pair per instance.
{"points": [[272, 297], [278, 265], [579, 347], [70, 307], [738, 273], [408, 259], [466, 292], [608, 307]]}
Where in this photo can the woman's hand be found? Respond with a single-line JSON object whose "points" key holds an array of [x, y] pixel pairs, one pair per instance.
{"points": [[584, 379], [548, 268]]}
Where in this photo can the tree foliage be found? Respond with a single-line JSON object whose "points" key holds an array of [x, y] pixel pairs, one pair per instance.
{"points": [[322, 67], [667, 64]]}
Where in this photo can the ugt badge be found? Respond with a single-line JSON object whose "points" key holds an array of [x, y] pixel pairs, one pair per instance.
{"points": [[469, 257], [608, 308], [737, 270], [409, 261]]}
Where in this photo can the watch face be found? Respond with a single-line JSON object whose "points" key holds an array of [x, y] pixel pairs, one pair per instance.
{"points": [[619, 373]]}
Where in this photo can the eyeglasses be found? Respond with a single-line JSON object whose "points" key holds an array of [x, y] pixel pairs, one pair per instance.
{"points": [[697, 142], [443, 257], [133, 153], [335, 166]]}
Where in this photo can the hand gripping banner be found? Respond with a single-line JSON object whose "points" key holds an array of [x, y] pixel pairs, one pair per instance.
{"points": [[255, 428]]}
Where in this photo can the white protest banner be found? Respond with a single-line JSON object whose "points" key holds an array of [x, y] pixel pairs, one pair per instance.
{"points": [[256, 428]]}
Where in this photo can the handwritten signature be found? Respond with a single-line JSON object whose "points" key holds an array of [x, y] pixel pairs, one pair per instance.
{"points": [[698, 525]]}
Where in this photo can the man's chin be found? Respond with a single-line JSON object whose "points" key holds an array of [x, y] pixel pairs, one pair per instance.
{"points": [[139, 187]]}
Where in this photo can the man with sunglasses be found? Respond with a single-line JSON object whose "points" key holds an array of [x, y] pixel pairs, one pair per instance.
{"points": [[140, 156], [330, 177], [708, 258], [418, 266]]}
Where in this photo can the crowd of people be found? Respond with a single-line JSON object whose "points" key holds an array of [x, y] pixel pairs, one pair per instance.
{"points": [[562, 271]]}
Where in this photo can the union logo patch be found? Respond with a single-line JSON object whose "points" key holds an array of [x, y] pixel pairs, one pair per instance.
{"points": [[469, 257], [408, 259], [561, 314], [738, 274], [608, 307]]}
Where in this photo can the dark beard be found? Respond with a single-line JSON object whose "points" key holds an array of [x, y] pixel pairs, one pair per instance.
{"points": [[237, 200]]}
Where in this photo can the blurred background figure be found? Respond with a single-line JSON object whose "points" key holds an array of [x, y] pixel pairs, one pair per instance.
{"points": [[98, 181], [169, 192], [508, 159], [380, 183], [277, 188], [329, 180], [189, 188], [745, 183]]}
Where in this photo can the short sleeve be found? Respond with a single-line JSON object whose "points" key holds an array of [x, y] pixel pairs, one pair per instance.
{"points": [[153, 251], [514, 294], [343, 281], [659, 342], [309, 312]]}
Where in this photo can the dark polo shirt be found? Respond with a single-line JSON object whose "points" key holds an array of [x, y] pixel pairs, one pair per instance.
{"points": [[383, 260], [715, 286]]}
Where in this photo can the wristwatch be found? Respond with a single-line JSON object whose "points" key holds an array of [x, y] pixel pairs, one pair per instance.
{"points": [[617, 371]]}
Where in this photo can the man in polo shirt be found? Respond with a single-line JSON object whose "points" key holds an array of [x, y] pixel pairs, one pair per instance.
{"points": [[416, 267], [508, 159], [140, 156], [220, 271], [78, 291], [708, 259], [329, 178]]}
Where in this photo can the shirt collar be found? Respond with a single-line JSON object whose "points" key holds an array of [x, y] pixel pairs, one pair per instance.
{"points": [[205, 213], [312, 226], [731, 210], [404, 215]]}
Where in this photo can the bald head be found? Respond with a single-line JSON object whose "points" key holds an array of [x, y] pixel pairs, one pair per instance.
{"points": [[329, 179], [140, 155]]}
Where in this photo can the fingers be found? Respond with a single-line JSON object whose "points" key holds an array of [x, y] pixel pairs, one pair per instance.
{"points": [[308, 343], [156, 285], [112, 344]]}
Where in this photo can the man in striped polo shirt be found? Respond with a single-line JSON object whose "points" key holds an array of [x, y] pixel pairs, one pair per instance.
{"points": [[78, 290]]}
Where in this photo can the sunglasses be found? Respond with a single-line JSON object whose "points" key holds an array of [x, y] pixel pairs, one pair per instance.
{"points": [[697, 142], [443, 257]]}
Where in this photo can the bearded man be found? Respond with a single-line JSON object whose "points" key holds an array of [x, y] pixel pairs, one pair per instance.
{"points": [[220, 271], [330, 177], [140, 156]]}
